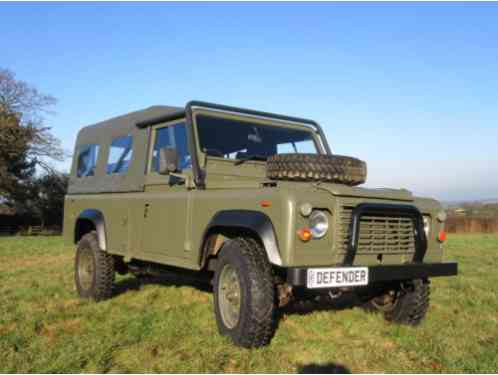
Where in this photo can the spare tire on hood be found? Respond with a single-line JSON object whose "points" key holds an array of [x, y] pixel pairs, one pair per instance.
{"points": [[313, 167]]}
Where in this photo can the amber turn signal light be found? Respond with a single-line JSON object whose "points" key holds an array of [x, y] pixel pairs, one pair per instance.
{"points": [[442, 236], [265, 203], [304, 234]]}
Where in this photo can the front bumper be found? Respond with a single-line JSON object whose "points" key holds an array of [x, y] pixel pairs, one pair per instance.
{"points": [[298, 276]]}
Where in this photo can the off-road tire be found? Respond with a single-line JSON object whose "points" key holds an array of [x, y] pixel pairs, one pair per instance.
{"points": [[257, 318], [102, 276], [412, 305], [312, 167]]}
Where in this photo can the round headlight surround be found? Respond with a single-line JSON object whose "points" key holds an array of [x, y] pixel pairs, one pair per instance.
{"points": [[427, 225], [318, 224]]}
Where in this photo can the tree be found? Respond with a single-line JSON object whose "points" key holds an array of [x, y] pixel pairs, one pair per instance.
{"points": [[45, 198], [15, 166], [25, 141]]}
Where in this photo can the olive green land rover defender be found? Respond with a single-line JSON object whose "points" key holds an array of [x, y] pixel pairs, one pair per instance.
{"points": [[254, 202]]}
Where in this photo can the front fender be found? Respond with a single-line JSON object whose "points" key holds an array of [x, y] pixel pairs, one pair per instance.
{"points": [[253, 221]]}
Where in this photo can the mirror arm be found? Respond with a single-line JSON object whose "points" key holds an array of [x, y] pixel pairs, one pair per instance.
{"points": [[187, 180], [177, 175]]}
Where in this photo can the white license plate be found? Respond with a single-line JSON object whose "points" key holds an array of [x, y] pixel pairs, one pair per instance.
{"points": [[337, 277]]}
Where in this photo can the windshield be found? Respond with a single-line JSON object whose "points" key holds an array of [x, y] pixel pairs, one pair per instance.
{"points": [[239, 140]]}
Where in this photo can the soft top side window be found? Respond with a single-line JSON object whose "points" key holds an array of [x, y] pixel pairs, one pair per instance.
{"points": [[171, 136], [87, 160], [120, 154]]}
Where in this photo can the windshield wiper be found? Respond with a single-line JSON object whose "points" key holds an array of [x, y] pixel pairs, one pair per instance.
{"points": [[252, 157]]}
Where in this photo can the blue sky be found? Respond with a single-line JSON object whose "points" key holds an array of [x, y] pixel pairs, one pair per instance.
{"points": [[410, 88]]}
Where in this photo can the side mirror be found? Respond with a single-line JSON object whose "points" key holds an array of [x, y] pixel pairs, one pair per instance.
{"points": [[168, 160]]}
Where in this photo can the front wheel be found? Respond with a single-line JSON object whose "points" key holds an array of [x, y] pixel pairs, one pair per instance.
{"points": [[408, 304], [244, 293], [94, 269]]}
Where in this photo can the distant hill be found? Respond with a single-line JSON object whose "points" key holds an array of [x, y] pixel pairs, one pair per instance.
{"points": [[480, 208], [460, 203]]}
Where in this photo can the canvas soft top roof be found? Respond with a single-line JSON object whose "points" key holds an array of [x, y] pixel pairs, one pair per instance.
{"points": [[136, 124], [125, 124], [102, 134]]}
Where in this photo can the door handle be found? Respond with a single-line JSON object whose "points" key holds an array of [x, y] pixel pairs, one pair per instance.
{"points": [[146, 210]]}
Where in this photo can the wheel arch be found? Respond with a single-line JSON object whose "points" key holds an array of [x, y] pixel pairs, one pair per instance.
{"points": [[229, 222], [88, 220]]}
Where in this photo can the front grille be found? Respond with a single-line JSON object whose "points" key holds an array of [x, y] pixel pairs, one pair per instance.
{"points": [[378, 234]]}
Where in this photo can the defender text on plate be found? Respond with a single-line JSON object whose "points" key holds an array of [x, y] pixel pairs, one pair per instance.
{"points": [[337, 277]]}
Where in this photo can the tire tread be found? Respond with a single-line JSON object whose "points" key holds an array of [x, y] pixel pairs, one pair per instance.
{"points": [[259, 327], [313, 167], [104, 268], [413, 306]]}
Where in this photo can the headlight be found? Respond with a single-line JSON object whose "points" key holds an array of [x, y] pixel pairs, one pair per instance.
{"points": [[319, 224], [427, 226]]}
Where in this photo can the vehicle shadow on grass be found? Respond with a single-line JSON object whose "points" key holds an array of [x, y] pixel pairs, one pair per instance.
{"points": [[325, 368], [295, 307], [344, 302], [137, 282], [338, 304], [298, 307]]}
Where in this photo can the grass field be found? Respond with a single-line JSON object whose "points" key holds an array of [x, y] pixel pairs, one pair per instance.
{"points": [[161, 327]]}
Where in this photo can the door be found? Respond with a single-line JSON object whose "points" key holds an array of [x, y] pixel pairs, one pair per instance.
{"points": [[166, 213]]}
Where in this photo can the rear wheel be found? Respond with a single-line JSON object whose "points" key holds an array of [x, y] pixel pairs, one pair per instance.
{"points": [[244, 293], [94, 269]]}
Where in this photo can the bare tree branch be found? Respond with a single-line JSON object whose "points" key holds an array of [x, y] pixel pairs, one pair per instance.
{"points": [[25, 141]]}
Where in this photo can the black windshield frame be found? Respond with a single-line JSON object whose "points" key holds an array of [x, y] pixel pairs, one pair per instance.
{"points": [[238, 138], [194, 105]]}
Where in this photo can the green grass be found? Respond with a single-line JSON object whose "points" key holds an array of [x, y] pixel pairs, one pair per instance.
{"points": [[44, 327]]}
